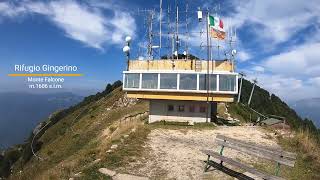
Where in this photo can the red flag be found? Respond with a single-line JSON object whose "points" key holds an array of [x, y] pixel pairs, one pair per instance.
{"points": [[221, 24]]}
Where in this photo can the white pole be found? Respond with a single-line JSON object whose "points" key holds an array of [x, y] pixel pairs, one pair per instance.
{"points": [[160, 23], [239, 95], [254, 84]]}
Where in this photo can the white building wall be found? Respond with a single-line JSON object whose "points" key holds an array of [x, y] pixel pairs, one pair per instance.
{"points": [[159, 111]]}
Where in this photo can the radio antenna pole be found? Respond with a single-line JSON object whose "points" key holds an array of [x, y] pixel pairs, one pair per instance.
{"points": [[187, 39], [160, 38], [177, 30]]}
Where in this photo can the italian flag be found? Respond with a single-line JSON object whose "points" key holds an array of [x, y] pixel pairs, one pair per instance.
{"points": [[216, 28]]}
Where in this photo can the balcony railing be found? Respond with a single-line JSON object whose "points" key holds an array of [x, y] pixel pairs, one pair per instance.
{"points": [[182, 65], [197, 82]]}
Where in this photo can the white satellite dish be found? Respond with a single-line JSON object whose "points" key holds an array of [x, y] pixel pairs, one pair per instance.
{"points": [[185, 53], [234, 52], [128, 39], [199, 15], [126, 49]]}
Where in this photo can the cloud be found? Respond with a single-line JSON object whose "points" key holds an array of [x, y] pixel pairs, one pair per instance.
{"points": [[9, 10], [299, 61], [243, 56], [296, 71], [258, 69], [278, 20], [289, 89], [82, 22], [315, 81]]}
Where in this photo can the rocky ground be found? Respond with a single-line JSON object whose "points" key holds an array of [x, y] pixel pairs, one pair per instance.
{"points": [[175, 154]]}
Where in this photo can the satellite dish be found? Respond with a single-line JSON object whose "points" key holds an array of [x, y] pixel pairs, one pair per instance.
{"points": [[234, 52], [126, 49], [128, 39], [185, 53], [199, 15]]}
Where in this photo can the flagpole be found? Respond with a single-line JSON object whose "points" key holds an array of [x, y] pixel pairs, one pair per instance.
{"points": [[208, 59]]}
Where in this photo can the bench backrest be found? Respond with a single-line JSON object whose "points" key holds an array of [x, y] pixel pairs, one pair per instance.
{"points": [[273, 154]]}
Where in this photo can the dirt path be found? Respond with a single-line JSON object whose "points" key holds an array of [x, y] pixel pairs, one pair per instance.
{"points": [[175, 154]]}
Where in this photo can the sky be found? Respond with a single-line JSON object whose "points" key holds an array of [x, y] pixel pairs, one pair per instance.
{"points": [[278, 42]]}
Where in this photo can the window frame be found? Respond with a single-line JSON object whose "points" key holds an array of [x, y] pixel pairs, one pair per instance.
{"points": [[176, 85], [169, 108], [181, 108], [157, 79], [202, 109], [192, 108]]}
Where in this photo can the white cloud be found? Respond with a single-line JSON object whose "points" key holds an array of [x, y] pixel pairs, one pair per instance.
{"points": [[289, 89], [243, 56], [9, 10], [259, 69], [315, 81], [280, 20], [123, 24], [292, 75], [83, 22], [302, 60]]}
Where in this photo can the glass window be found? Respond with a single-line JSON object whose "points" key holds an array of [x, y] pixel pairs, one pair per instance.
{"points": [[170, 107], [181, 108], [149, 80], [188, 81], [168, 81], [132, 80], [203, 82], [203, 109], [227, 82], [192, 108]]}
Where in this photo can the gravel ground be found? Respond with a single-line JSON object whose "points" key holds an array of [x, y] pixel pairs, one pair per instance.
{"points": [[175, 154]]}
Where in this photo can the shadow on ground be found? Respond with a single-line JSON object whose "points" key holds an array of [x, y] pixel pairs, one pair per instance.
{"points": [[230, 172]]}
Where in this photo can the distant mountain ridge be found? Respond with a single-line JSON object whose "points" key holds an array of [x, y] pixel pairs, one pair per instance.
{"points": [[20, 112], [309, 108]]}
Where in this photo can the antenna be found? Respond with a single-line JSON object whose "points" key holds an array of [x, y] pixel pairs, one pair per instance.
{"points": [[241, 78], [160, 27], [150, 17], [177, 30], [254, 84], [187, 33], [169, 54]]}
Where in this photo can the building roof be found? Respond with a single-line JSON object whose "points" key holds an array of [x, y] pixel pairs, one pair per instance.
{"points": [[271, 121]]}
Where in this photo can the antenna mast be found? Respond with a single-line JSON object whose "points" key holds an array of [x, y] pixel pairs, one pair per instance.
{"points": [[254, 84], [187, 30], [160, 38], [177, 30], [150, 34]]}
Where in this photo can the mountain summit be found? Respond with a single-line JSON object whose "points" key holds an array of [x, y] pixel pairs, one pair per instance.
{"points": [[107, 136]]}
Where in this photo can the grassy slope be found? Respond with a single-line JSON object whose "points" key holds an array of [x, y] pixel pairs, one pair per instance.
{"points": [[304, 142], [73, 143], [307, 164]]}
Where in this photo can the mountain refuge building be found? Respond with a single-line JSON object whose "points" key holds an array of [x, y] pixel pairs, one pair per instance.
{"points": [[181, 90]]}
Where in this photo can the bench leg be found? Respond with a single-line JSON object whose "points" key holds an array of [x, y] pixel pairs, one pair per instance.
{"points": [[221, 153], [207, 164], [277, 169]]}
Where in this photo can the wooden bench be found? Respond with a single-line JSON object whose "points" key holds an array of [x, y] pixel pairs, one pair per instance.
{"points": [[272, 154]]}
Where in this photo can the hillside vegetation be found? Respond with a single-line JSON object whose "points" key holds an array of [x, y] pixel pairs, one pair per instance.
{"points": [[108, 130], [270, 104], [73, 138]]}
